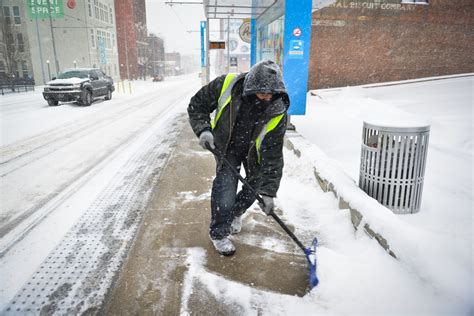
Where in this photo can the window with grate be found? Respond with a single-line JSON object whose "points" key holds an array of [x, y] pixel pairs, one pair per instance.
{"points": [[16, 15]]}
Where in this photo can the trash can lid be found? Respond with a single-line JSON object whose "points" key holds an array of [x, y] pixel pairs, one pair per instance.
{"points": [[400, 124]]}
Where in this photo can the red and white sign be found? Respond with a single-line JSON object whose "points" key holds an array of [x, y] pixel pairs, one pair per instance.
{"points": [[296, 32]]}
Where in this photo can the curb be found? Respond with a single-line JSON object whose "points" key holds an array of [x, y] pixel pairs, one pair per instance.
{"points": [[358, 220]]}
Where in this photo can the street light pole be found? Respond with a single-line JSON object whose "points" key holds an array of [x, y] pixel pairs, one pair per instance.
{"points": [[49, 70]]}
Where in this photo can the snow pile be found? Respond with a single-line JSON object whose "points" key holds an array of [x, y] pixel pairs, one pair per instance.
{"points": [[435, 244]]}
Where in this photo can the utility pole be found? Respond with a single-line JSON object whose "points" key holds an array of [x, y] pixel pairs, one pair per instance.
{"points": [[56, 62], [40, 49]]}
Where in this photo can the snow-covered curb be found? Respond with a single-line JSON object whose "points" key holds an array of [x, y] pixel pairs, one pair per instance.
{"points": [[394, 83], [332, 183], [415, 248]]}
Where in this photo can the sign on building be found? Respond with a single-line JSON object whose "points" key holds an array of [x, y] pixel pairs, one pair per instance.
{"points": [[217, 45], [102, 54], [44, 9], [244, 31]]}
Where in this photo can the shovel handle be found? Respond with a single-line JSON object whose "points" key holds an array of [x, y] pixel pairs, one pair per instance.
{"points": [[221, 157], [259, 198]]}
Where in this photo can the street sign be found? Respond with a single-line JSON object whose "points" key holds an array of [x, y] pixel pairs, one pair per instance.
{"points": [[217, 45], [233, 61], [45, 9]]}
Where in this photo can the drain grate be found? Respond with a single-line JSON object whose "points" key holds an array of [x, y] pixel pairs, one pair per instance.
{"points": [[77, 275]]}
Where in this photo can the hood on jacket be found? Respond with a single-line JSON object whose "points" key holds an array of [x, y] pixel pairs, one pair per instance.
{"points": [[264, 77]]}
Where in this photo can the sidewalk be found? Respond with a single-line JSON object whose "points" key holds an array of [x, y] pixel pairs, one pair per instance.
{"points": [[172, 246]]}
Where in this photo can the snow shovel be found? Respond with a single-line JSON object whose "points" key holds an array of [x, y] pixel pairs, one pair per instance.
{"points": [[309, 252]]}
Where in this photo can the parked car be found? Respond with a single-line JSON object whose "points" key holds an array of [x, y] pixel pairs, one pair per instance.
{"points": [[157, 78], [79, 84]]}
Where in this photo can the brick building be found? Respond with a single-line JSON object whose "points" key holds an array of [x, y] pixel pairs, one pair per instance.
{"points": [[366, 41], [131, 37]]}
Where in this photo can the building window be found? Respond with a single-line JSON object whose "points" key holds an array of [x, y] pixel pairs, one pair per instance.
{"points": [[111, 17], [89, 7], [6, 14], [24, 69], [101, 10], [96, 9], [92, 38], [21, 43], [16, 15], [106, 16], [109, 46]]}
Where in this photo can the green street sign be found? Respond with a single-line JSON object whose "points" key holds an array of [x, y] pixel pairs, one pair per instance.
{"points": [[44, 9]]}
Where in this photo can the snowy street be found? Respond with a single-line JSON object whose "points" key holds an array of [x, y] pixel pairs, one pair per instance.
{"points": [[57, 160], [105, 210]]}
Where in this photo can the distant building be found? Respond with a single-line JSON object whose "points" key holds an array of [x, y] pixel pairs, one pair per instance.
{"points": [[72, 34], [357, 42], [132, 37], [156, 55], [173, 64]]}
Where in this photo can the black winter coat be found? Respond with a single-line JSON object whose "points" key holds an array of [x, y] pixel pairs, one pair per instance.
{"points": [[268, 171]]}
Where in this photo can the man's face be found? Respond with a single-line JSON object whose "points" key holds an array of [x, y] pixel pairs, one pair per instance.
{"points": [[264, 96]]}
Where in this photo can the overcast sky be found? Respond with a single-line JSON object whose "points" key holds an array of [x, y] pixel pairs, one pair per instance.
{"points": [[173, 23]]}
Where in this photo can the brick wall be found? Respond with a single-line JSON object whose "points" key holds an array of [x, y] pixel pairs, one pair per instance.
{"points": [[126, 38], [359, 42]]}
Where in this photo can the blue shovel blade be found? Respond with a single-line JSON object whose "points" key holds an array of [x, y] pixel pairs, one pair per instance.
{"points": [[311, 257]]}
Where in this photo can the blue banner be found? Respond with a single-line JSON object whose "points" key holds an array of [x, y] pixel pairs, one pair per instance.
{"points": [[297, 36], [102, 53]]}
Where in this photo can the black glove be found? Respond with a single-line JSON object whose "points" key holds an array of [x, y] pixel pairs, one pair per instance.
{"points": [[268, 204], [206, 137]]}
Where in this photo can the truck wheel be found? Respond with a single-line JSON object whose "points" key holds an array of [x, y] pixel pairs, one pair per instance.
{"points": [[53, 102], [86, 98], [108, 96]]}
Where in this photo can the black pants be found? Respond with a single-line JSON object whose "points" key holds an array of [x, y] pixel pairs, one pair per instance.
{"points": [[226, 203]]}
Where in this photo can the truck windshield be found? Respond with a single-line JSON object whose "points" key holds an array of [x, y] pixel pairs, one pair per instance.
{"points": [[73, 74]]}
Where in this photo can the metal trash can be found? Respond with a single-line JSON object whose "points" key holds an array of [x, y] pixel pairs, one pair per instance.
{"points": [[392, 165]]}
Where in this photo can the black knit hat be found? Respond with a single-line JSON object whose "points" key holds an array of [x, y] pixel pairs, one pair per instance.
{"points": [[264, 77]]}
